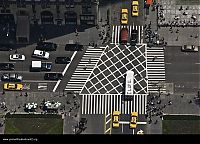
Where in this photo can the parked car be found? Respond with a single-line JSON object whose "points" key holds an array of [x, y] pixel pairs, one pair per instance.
{"points": [[124, 16], [134, 119], [115, 119], [13, 86], [53, 76], [63, 60], [4, 47], [40, 54], [7, 66], [46, 66], [46, 46], [17, 57], [14, 77], [73, 47], [190, 48], [134, 37]]}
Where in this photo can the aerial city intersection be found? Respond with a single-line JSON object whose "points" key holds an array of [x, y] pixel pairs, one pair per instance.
{"points": [[99, 66]]}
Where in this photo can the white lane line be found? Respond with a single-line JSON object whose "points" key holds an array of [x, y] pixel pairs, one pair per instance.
{"points": [[128, 107], [120, 103], [125, 107], [133, 131], [117, 103], [38, 81], [124, 122], [102, 104], [141, 122], [145, 104], [91, 102], [94, 104], [131, 106], [83, 106], [105, 104], [114, 105], [97, 104], [63, 73], [134, 103], [88, 110], [86, 96], [58, 82], [142, 36], [197, 63], [113, 34], [137, 103], [118, 34], [139, 35], [109, 104]]}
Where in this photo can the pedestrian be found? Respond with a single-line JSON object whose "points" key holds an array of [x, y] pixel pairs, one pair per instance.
{"points": [[85, 67], [26, 94], [3, 92], [190, 101]]}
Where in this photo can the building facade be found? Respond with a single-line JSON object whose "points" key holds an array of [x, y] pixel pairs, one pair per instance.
{"points": [[58, 12]]}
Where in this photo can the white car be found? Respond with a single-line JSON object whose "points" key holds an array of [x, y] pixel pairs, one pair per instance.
{"points": [[17, 57], [40, 54]]}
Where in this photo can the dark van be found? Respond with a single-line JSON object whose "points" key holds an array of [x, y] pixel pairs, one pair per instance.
{"points": [[124, 36]]}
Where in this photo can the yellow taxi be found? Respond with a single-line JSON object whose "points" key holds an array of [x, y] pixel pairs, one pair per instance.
{"points": [[115, 121], [134, 118], [13, 86], [135, 7], [124, 16]]}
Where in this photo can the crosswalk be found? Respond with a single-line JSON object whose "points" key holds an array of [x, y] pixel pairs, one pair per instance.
{"points": [[116, 33], [84, 68], [104, 104], [155, 69]]}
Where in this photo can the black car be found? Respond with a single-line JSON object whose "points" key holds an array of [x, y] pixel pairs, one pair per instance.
{"points": [[53, 76], [14, 77], [73, 47], [46, 46], [63, 60], [134, 37], [4, 47], [7, 66], [46, 66]]}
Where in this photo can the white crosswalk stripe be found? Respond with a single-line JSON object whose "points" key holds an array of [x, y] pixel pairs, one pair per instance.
{"points": [[104, 104], [116, 33], [155, 68], [84, 69]]}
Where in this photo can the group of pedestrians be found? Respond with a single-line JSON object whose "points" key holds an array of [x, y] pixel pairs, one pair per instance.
{"points": [[177, 20], [152, 37], [155, 108], [104, 32]]}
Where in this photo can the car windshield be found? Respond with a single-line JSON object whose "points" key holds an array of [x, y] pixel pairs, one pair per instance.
{"points": [[17, 56], [124, 16], [115, 118], [133, 120], [135, 8]]}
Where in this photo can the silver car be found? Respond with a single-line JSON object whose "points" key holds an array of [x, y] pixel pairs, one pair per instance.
{"points": [[190, 48], [14, 77]]}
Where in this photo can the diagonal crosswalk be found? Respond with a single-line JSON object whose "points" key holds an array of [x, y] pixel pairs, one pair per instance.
{"points": [[116, 33], [155, 68], [84, 68], [104, 104]]}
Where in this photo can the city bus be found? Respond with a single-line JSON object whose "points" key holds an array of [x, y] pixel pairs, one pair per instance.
{"points": [[129, 87]]}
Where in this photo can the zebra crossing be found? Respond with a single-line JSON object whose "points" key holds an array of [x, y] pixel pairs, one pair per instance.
{"points": [[116, 33], [84, 68], [104, 104], [155, 69]]}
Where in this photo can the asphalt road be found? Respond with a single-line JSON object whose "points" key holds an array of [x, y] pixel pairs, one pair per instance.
{"points": [[182, 69]]}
